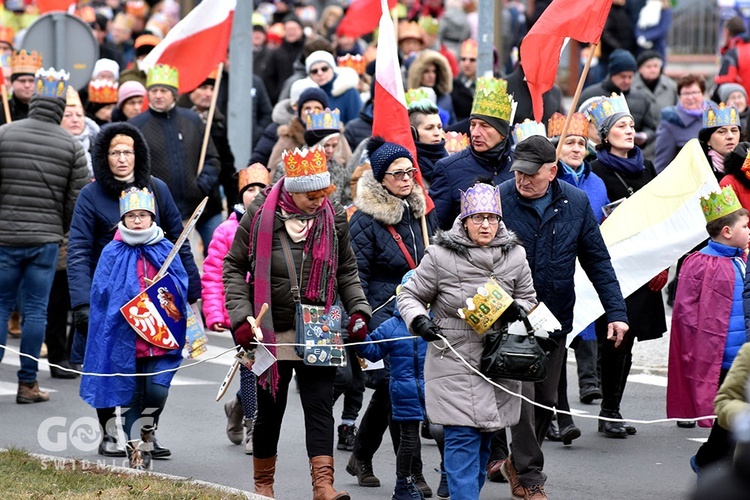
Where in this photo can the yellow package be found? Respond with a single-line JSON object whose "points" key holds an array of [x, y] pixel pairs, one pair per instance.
{"points": [[486, 306]]}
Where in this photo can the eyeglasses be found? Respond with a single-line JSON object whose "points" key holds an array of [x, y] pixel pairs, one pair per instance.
{"points": [[469, 59], [399, 174], [131, 216], [479, 219], [315, 71], [116, 154], [689, 94]]}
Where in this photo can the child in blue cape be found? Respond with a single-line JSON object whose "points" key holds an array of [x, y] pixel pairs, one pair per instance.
{"points": [[124, 270], [406, 389]]}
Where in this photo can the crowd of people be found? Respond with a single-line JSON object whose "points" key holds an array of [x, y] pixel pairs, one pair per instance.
{"points": [[327, 217]]}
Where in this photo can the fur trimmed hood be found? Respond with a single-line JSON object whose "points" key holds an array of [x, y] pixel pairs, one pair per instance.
{"points": [[375, 200], [294, 130], [100, 163], [444, 80], [456, 239], [282, 112], [346, 78]]}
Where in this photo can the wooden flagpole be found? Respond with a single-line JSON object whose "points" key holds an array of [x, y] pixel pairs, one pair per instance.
{"points": [[210, 118], [576, 96], [6, 106]]}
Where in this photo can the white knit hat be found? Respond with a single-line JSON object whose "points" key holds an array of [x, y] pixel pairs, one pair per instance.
{"points": [[106, 65], [319, 56]]}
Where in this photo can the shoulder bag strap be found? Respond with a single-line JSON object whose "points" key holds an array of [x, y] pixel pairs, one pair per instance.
{"points": [[624, 184], [290, 266], [400, 243]]}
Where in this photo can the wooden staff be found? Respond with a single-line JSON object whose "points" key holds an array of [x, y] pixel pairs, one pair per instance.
{"points": [[425, 233], [579, 88], [6, 107], [210, 118]]}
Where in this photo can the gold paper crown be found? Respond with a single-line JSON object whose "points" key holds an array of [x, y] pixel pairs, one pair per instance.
{"points": [[491, 98], [137, 199], [162, 74], [137, 8], [356, 62], [51, 83], [415, 95], [301, 163], [256, 173], [608, 106], [72, 98], [409, 30], [456, 141], [579, 125], [21, 62], [103, 91], [7, 35], [526, 129], [719, 204], [429, 25]]}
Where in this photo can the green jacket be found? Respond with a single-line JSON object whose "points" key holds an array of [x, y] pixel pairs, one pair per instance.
{"points": [[731, 401]]}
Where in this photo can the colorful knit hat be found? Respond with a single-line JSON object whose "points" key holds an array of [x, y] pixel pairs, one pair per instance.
{"points": [[137, 199], [306, 170], [382, 154], [480, 199]]}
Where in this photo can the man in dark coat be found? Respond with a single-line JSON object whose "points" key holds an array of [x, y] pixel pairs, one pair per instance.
{"points": [[42, 170], [487, 156], [23, 68], [556, 224], [281, 62], [360, 128], [517, 86], [622, 68], [466, 81], [175, 137]]}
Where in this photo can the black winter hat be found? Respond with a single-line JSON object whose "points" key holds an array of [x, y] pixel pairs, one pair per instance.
{"points": [[621, 60], [382, 154]]}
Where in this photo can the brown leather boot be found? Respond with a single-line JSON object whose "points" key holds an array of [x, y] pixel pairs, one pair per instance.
{"points": [[30, 393], [263, 471], [321, 470]]}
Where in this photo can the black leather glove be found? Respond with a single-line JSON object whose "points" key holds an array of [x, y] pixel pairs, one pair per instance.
{"points": [[426, 328], [81, 319], [513, 313]]}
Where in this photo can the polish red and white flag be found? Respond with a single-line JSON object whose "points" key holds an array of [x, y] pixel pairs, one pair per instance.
{"points": [[197, 44], [390, 116]]}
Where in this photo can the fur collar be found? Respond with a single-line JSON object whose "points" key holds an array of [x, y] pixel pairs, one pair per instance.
{"points": [[346, 78], [282, 112], [375, 200], [456, 239], [444, 81], [100, 163], [294, 130]]}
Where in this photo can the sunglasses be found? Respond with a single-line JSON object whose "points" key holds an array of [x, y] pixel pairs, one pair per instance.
{"points": [[399, 174], [315, 71], [470, 59]]}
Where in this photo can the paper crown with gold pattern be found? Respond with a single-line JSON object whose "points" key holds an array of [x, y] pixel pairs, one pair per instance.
{"points": [[137, 8], [408, 30], [254, 175], [137, 199], [608, 106], [491, 99], [325, 120], [456, 141], [356, 62], [480, 199], [469, 48], [162, 74], [72, 98], [103, 91], [7, 35], [429, 25], [415, 95], [719, 204], [719, 115], [23, 63], [579, 125], [526, 129], [306, 170], [51, 83]]}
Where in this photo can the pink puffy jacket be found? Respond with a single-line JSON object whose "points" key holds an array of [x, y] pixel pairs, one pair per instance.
{"points": [[214, 307]]}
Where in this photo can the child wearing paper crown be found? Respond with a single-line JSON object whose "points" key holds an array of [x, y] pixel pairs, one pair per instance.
{"points": [[406, 387], [708, 322], [125, 268], [251, 181]]}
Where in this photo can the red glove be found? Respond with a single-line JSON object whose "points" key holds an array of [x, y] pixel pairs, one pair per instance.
{"points": [[357, 328], [244, 335], [658, 281]]}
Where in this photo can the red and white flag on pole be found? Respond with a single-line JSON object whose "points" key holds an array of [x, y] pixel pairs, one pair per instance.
{"points": [[390, 117], [197, 44], [361, 18]]}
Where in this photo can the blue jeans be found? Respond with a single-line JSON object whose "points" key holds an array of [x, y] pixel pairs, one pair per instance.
{"points": [[148, 400], [26, 275], [467, 451]]}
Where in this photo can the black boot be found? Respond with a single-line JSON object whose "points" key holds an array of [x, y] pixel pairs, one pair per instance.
{"points": [[158, 451], [347, 434], [553, 433], [612, 429]]}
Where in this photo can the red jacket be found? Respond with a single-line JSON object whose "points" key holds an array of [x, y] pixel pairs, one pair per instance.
{"points": [[735, 66]]}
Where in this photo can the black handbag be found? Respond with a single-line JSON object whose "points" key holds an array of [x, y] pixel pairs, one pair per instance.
{"points": [[515, 357]]}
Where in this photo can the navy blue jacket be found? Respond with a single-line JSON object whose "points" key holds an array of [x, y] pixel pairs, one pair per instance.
{"points": [[567, 230], [406, 385], [360, 128], [459, 171]]}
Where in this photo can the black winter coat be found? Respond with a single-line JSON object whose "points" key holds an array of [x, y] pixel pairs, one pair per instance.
{"points": [[645, 307], [567, 231], [517, 86], [360, 128], [42, 170], [381, 262], [427, 156]]}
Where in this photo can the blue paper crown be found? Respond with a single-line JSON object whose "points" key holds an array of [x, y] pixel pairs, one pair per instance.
{"points": [[480, 199], [51, 83], [526, 129], [137, 199], [608, 106], [719, 115], [325, 120]]}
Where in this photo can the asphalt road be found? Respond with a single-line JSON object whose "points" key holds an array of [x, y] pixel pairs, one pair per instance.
{"points": [[651, 464]]}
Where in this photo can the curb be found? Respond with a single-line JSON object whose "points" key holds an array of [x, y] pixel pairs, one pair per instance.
{"points": [[160, 475]]}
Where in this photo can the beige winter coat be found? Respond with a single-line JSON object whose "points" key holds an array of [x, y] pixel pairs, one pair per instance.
{"points": [[451, 271]]}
